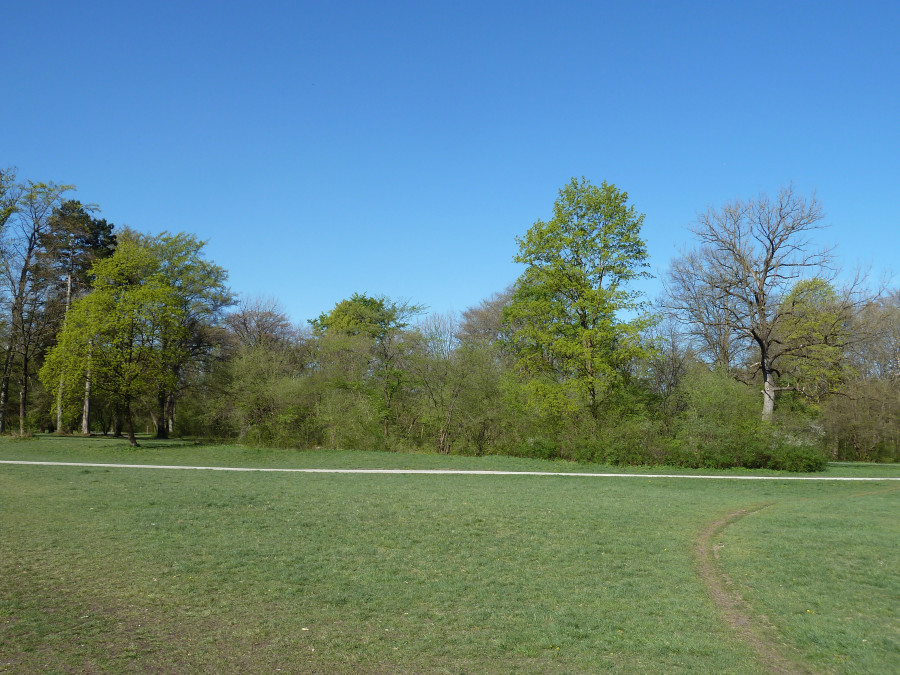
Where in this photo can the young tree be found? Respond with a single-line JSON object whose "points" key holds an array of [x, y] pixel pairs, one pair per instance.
{"points": [[812, 339], [484, 321], [863, 423], [568, 314], [751, 256], [440, 376]]}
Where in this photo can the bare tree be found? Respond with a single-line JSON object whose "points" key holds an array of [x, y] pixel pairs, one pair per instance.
{"points": [[707, 315], [668, 363], [742, 283], [30, 220], [260, 321], [484, 321]]}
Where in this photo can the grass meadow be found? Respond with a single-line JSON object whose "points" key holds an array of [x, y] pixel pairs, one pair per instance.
{"points": [[154, 570]]}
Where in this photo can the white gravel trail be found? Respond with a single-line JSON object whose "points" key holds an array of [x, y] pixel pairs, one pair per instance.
{"points": [[445, 472]]}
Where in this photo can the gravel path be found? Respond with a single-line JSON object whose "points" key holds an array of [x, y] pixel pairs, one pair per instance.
{"points": [[461, 472]]}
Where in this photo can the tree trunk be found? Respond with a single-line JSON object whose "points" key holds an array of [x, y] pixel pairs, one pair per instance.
{"points": [[444, 435], [170, 412], [162, 429], [59, 394], [86, 407], [59, 407], [129, 422], [23, 397], [593, 405], [117, 422], [768, 394], [4, 384]]}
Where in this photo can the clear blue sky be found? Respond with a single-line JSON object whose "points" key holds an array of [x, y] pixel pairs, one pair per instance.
{"points": [[398, 148]]}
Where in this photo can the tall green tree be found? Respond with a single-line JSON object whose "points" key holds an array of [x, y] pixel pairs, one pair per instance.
{"points": [[202, 297], [71, 244], [127, 332], [571, 320]]}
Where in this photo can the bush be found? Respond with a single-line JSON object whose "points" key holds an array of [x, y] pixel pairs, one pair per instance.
{"points": [[797, 458], [537, 448]]}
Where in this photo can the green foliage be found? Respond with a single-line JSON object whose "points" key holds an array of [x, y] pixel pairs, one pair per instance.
{"points": [[863, 421], [811, 335], [74, 240], [121, 334], [718, 429], [565, 319], [560, 366], [863, 424], [199, 284], [537, 448], [9, 195], [360, 314], [348, 419]]}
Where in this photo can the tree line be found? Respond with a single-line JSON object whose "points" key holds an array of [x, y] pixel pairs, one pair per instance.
{"points": [[758, 353]]}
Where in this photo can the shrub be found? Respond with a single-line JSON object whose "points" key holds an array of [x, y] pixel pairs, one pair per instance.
{"points": [[537, 448], [797, 458]]}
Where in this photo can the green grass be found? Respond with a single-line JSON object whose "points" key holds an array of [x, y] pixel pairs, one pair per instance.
{"points": [[825, 571], [186, 452], [109, 570]]}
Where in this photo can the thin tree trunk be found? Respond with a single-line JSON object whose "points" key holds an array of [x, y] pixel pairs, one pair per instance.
{"points": [[170, 412], [162, 430], [86, 407], [62, 379], [23, 397], [444, 435], [59, 406], [593, 406], [768, 394], [129, 422], [117, 422], [4, 383], [8, 362]]}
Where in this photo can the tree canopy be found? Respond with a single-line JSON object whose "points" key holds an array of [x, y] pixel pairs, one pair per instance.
{"points": [[750, 280], [569, 314], [127, 333], [121, 328]]}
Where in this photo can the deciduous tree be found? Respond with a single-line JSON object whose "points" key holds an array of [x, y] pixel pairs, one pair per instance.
{"points": [[27, 224], [752, 255], [69, 247], [201, 295], [571, 317], [128, 331], [374, 326]]}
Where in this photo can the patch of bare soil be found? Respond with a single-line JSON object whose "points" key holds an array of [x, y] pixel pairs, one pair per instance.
{"points": [[749, 628]]}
